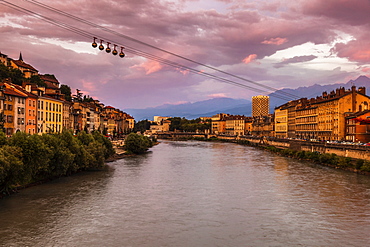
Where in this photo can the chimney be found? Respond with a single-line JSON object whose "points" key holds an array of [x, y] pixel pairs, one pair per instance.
{"points": [[354, 93], [28, 88], [362, 90]]}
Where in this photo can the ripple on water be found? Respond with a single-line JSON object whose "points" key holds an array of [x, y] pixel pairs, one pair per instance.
{"points": [[194, 194]]}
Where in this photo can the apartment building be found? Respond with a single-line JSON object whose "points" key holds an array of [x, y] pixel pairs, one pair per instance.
{"points": [[281, 122], [324, 117], [39, 109], [358, 126], [218, 123], [260, 105], [30, 107]]}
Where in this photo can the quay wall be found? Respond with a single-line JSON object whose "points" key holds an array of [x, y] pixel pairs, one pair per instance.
{"points": [[345, 150]]}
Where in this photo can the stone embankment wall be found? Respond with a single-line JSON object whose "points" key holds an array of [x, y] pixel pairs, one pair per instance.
{"points": [[352, 151]]}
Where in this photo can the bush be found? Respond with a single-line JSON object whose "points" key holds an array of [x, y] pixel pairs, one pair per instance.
{"points": [[344, 161], [11, 168], [365, 166], [137, 144], [61, 157], [36, 155], [28, 158], [330, 159]]}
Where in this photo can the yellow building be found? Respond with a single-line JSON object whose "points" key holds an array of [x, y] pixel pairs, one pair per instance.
{"points": [[323, 117], [50, 112], [238, 125], [281, 123], [218, 123]]}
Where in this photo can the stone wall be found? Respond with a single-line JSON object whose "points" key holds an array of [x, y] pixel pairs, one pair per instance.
{"points": [[352, 151]]}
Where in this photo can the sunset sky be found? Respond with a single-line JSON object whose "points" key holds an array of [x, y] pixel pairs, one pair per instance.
{"points": [[277, 43]]}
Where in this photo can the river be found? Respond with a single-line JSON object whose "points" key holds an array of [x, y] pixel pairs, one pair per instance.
{"points": [[194, 194]]}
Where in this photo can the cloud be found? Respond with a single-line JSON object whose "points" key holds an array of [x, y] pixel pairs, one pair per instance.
{"points": [[296, 59], [275, 41], [217, 95], [215, 36], [356, 50], [250, 58], [352, 12], [149, 67]]}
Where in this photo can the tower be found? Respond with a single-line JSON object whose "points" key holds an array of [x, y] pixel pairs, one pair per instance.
{"points": [[260, 105]]}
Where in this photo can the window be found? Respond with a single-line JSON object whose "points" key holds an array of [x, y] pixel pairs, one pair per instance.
{"points": [[9, 131], [10, 107]]}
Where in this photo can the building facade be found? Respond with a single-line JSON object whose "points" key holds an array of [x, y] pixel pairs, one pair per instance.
{"points": [[260, 105]]}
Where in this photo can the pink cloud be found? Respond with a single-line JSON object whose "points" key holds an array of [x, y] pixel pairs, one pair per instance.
{"points": [[356, 50], [354, 12], [217, 95], [366, 69], [275, 41], [184, 72], [250, 58], [149, 67]]}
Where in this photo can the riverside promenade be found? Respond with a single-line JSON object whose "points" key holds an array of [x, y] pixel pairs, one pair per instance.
{"points": [[340, 149]]}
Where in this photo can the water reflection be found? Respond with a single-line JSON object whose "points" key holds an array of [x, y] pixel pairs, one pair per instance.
{"points": [[194, 194]]}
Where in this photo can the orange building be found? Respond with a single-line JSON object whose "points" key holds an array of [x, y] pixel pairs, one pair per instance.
{"points": [[30, 108], [358, 127]]}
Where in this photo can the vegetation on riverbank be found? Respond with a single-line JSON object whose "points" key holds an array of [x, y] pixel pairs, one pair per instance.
{"points": [[328, 159], [137, 144], [27, 159]]}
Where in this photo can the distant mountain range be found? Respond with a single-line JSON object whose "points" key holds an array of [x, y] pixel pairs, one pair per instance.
{"points": [[208, 108]]}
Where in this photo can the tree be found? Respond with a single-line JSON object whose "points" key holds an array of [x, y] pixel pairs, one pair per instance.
{"points": [[137, 144], [142, 126], [16, 76], [11, 168], [4, 72], [66, 90], [2, 121], [37, 80]]}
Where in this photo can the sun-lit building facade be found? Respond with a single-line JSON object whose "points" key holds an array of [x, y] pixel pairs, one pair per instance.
{"points": [[260, 105]]}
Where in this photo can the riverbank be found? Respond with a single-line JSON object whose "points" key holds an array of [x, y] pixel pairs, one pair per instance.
{"points": [[27, 160], [356, 165]]}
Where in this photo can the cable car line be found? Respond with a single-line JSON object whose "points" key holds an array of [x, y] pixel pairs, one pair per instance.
{"points": [[141, 53], [154, 47]]}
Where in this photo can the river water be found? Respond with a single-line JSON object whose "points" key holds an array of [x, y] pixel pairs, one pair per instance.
{"points": [[194, 194]]}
